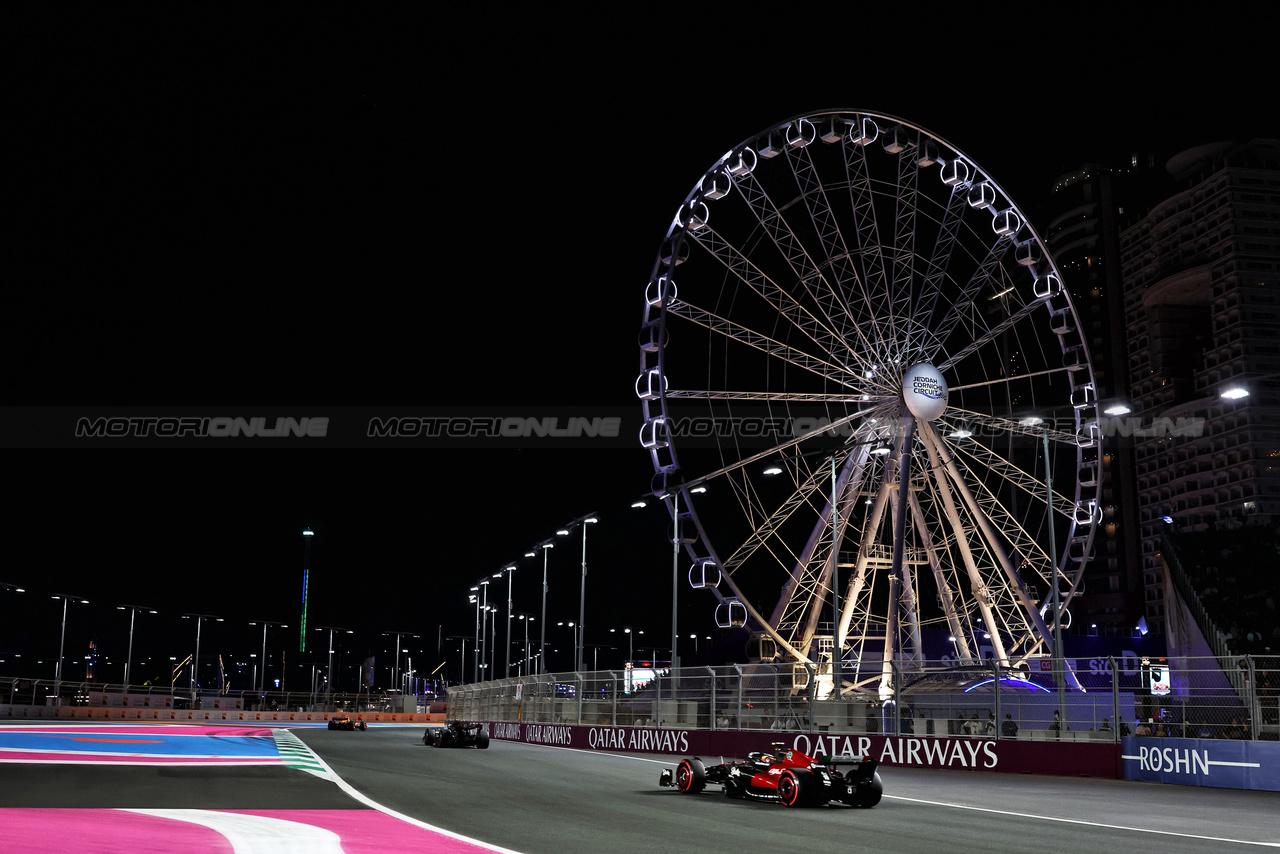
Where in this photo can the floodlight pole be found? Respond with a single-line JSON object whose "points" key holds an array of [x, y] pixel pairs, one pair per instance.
{"points": [[542, 643], [1059, 674]]}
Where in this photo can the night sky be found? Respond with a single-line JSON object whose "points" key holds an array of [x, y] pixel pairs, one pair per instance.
{"points": [[281, 213]]}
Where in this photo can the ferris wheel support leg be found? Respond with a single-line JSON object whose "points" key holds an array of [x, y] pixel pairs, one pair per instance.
{"points": [[858, 580], [888, 685], [964, 650], [939, 576], [1024, 598]]}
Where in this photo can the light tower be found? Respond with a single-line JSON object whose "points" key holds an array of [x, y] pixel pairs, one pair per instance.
{"points": [[307, 534]]}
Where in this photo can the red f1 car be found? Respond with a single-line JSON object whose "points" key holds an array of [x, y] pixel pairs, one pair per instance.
{"points": [[788, 777]]}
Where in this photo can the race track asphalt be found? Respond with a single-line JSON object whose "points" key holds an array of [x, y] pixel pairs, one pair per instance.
{"points": [[542, 800]]}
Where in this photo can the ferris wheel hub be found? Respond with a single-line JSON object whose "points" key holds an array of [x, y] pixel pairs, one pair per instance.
{"points": [[924, 391]]}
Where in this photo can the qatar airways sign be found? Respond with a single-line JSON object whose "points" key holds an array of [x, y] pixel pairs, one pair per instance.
{"points": [[1093, 759], [966, 753]]}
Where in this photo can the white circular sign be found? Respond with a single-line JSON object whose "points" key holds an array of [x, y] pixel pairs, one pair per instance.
{"points": [[925, 391]]}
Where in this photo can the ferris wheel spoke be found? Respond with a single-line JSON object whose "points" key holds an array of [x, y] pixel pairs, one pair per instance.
{"points": [[995, 425], [865, 230], [818, 329], [798, 609], [944, 245], [824, 368], [991, 334], [1012, 378], [802, 495], [801, 264], [832, 295], [1021, 542], [989, 272], [906, 203], [984, 458], [776, 450], [1015, 586]]}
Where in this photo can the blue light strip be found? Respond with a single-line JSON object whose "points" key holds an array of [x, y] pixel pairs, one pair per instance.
{"points": [[1008, 680]]}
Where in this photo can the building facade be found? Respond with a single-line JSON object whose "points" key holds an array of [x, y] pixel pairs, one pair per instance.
{"points": [[1084, 213], [1201, 288]]}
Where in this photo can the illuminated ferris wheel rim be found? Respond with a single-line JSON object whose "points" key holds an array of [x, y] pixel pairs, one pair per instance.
{"points": [[918, 343]]}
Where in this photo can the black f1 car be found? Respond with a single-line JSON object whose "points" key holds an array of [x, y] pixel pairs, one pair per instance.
{"points": [[343, 721], [457, 734], [788, 777]]}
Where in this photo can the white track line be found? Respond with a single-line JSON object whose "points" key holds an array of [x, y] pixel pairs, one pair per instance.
{"points": [[370, 802], [971, 808], [1086, 823]]}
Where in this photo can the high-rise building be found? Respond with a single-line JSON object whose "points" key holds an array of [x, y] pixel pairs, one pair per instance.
{"points": [[1085, 211], [1201, 275]]}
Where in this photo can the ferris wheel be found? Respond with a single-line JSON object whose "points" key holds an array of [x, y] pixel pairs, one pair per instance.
{"points": [[845, 305]]}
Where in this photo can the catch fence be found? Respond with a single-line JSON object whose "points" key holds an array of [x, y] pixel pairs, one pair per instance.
{"points": [[1211, 697]]}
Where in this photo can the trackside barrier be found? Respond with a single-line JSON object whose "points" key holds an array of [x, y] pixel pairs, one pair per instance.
{"points": [[1092, 759], [1203, 762], [115, 713]]}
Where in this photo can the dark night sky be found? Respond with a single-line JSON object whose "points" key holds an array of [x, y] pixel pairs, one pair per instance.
{"points": [[454, 212]]}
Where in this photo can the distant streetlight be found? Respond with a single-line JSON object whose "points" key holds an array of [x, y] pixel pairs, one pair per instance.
{"points": [[262, 683], [510, 573], [329, 676], [580, 637], [57, 679], [527, 618], [631, 636], [474, 599], [195, 662], [542, 620], [133, 612], [484, 622], [395, 669], [15, 588]]}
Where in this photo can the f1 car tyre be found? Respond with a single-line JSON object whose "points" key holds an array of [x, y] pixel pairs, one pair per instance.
{"points": [[866, 796], [482, 740], [796, 788], [691, 776], [444, 738], [332, 725]]}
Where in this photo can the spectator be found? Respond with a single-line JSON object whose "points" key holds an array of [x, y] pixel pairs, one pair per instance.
{"points": [[1106, 725], [1056, 726], [971, 727], [990, 727], [1009, 729], [1142, 729]]}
